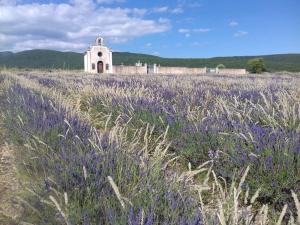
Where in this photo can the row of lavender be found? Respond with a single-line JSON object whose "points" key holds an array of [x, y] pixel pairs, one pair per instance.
{"points": [[248, 121], [68, 156], [235, 122], [234, 129]]}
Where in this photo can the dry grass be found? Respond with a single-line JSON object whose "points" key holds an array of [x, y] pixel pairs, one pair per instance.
{"points": [[10, 209]]}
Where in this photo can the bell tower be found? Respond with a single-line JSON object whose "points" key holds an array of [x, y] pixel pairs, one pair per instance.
{"points": [[99, 41]]}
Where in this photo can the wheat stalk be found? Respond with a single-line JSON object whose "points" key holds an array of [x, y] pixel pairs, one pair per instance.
{"points": [[297, 203], [116, 190], [59, 209]]}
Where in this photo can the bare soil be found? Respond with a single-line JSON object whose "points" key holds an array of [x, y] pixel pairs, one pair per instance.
{"points": [[10, 209]]}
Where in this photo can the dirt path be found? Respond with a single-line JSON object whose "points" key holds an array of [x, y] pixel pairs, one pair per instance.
{"points": [[10, 209]]}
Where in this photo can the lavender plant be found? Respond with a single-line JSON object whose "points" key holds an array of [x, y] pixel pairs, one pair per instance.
{"points": [[233, 122], [231, 125], [70, 157]]}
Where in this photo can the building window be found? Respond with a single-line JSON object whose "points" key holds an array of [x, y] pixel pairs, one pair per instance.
{"points": [[100, 54], [93, 66], [107, 66]]}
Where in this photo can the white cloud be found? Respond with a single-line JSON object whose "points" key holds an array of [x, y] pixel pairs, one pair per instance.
{"points": [[49, 44], [166, 9], [109, 1], [202, 30], [233, 24], [188, 32], [189, 3], [161, 9], [183, 30], [177, 10], [163, 20], [71, 26], [149, 44], [240, 33], [195, 5], [8, 2]]}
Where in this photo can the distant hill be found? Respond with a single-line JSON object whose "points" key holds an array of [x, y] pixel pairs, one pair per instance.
{"points": [[6, 53], [281, 62], [71, 60], [42, 59]]}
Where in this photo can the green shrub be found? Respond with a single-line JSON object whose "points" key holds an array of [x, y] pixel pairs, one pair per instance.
{"points": [[256, 65], [221, 66]]}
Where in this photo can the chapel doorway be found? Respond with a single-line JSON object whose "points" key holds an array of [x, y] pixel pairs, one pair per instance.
{"points": [[100, 67]]}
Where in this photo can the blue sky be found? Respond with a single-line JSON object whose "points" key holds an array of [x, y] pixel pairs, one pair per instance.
{"points": [[170, 28]]}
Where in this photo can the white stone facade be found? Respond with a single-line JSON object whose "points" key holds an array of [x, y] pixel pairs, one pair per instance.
{"points": [[98, 58]]}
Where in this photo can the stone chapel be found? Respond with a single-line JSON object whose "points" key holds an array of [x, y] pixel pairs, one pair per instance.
{"points": [[98, 58]]}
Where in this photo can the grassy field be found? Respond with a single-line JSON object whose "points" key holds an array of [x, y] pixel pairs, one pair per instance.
{"points": [[153, 149], [49, 59]]}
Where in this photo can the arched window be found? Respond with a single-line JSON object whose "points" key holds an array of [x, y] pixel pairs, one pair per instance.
{"points": [[99, 54]]}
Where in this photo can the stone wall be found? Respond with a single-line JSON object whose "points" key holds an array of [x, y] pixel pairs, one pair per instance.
{"points": [[231, 71], [130, 70], [180, 70]]}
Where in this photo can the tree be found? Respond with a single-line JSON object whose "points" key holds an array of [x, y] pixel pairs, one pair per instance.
{"points": [[256, 65], [221, 66]]}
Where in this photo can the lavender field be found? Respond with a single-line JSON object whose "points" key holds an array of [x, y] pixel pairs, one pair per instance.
{"points": [[149, 150]]}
